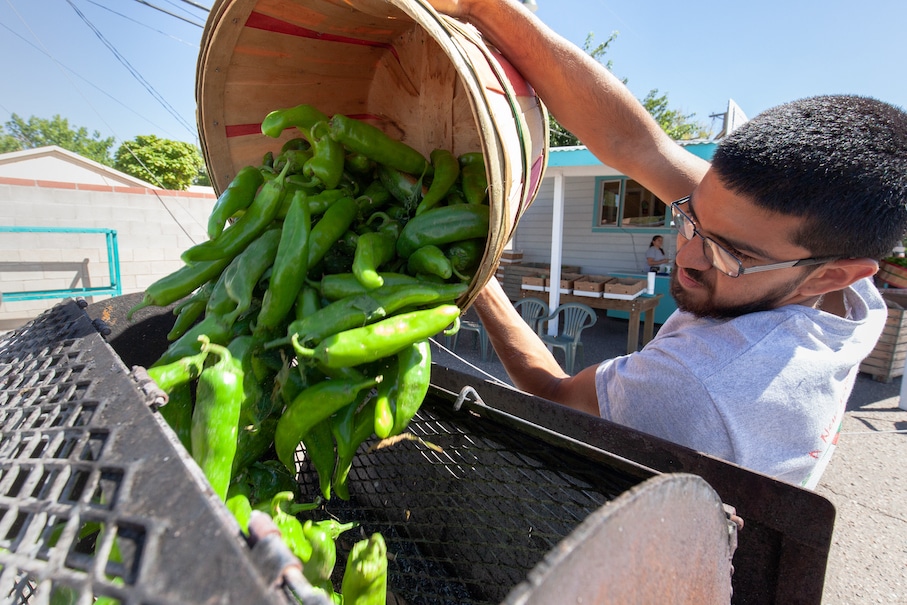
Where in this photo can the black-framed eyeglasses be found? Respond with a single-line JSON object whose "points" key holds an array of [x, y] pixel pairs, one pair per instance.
{"points": [[722, 258]]}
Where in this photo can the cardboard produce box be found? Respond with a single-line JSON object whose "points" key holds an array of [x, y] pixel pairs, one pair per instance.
{"points": [[535, 282], [567, 281], [591, 285], [624, 288]]}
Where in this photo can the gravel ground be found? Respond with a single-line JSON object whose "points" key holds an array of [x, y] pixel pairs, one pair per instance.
{"points": [[865, 480]]}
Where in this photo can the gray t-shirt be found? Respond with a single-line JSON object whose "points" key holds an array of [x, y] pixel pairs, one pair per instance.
{"points": [[766, 391]]}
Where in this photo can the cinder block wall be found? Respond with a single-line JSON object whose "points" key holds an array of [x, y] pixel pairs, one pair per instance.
{"points": [[153, 226]]}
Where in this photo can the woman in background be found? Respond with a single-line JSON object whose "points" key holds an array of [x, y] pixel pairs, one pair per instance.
{"points": [[655, 255]]}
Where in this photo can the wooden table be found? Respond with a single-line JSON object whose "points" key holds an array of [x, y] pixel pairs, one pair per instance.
{"points": [[640, 307]]}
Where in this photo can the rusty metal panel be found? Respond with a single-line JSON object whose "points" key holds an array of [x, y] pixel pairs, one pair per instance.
{"points": [[672, 526]]}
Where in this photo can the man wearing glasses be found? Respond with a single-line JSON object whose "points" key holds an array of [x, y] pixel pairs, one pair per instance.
{"points": [[777, 240]]}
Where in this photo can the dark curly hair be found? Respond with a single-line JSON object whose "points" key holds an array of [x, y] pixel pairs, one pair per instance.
{"points": [[840, 161]]}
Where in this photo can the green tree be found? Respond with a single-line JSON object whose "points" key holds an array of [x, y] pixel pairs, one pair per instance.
{"points": [[678, 125], [8, 142], [168, 164], [40, 132]]}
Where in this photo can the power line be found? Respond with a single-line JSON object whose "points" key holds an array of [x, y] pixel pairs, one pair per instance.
{"points": [[166, 12], [136, 21], [132, 70], [73, 72], [197, 5]]}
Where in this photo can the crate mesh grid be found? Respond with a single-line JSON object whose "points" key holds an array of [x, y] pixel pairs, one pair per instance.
{"points": [[95, 500], [466, 524]]}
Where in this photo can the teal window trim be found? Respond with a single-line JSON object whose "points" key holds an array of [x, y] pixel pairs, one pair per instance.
{"points": [[114, 288], [597, 226]]}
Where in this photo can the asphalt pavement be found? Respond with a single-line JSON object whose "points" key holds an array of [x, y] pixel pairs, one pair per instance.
{"points": [[865, 480]]}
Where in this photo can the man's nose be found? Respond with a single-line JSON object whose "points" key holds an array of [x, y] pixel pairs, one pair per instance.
{"points": [[691, 253]]}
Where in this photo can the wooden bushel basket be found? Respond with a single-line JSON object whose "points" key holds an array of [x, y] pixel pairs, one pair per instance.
{"points": [[892, 274], [422, 77]]}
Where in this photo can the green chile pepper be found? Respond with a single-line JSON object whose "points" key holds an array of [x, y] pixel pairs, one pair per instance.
{"points": [[178, 372], [290, 266], [373, 198], [212, 327], [474, 181], [465, 256], [350, 426], [233, 293], [333, 224], [302, 117], [403, 187], [215, 419], [315, 404], [443, 225], [322, 535], [317, 198], [252, 412], [365, 576], [248, 227], [388, 224], [179, 284], [267, 163], [385, 400], [178, 413], [360, 164], [290, 527], [237, 196], [337, 286], [319, 449], [307, 302], [386, 337], [431, 260], [446, 173], [239, 505], [373, 143], [189, 311], [411, 384], [253, 442], [296, 144], [350, 312], [394, 298], [326, 164], [373, 250]]}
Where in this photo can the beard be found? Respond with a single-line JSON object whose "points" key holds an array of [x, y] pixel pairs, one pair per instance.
{"points": [[707, 308]]}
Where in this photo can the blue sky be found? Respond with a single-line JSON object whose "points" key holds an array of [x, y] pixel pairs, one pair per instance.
{"points": [[61, 56]]}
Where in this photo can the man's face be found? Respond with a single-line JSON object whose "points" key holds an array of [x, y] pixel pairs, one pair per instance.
{"points": [[756, 237]]}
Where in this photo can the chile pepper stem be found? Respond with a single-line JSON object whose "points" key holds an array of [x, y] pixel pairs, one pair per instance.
{"points": [[301, 351], [460, 275], [454, 328], [294, 509], [277, 342]]}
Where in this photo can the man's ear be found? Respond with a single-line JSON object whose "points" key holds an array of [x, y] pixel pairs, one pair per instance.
{"points": [[837, 275]]}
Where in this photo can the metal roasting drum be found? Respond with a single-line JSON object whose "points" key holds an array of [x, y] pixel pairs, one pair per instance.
{"points": [[508, 511]]}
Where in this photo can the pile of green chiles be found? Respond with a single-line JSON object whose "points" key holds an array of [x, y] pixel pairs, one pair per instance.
{"points": [[304, 319]]}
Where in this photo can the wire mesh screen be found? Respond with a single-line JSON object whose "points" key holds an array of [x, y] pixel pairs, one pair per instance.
{"points": [[469, 512], [95, 501]]}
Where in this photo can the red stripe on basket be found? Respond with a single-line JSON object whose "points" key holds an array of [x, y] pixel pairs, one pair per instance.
{"points": [[272, 24], [519, 84], [241, 130]]}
